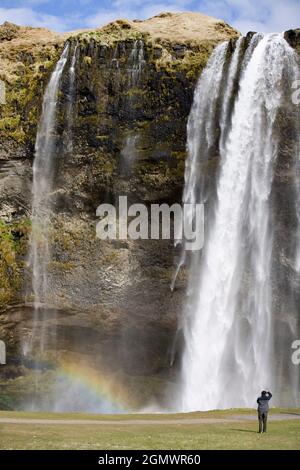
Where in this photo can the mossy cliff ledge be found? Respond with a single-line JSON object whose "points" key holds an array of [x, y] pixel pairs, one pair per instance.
{"points": [[134, 83]]}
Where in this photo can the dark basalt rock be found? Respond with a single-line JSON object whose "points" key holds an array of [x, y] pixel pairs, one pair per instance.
{"points": [[292, 36]]}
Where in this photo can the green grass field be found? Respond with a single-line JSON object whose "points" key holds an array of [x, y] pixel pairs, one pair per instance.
{"points": [[121, 435]]}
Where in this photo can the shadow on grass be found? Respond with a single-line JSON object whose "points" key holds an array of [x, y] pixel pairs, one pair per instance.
{"points": [[243, 430]]}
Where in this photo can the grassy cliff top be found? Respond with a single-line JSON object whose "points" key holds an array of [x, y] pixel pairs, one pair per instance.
{"points": [[185, 28], [26, 46], [15, 35], [23, 45], [191, 28], [172, 28]]}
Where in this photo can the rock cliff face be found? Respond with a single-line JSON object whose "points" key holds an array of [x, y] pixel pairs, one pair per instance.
{"points": [[126, 135]]}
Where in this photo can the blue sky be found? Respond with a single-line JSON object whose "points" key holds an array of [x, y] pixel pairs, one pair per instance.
{"points": [[65, 15]]}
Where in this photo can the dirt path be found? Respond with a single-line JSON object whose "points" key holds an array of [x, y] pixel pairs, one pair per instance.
{"points": [[143, 422]]}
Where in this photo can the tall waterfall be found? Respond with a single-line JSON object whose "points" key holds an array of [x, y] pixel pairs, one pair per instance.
{"points": [[229, 354], [66, 391], [43, 175]]}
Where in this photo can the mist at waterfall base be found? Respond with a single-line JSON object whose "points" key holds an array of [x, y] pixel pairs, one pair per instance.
{"points": [[75, 386], [234, 340]]}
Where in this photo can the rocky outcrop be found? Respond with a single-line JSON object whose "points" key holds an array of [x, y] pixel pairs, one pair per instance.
{"points": [[292, 36]]}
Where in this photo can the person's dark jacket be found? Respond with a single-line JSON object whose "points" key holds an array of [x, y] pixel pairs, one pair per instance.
{"points": [[263, 402]]}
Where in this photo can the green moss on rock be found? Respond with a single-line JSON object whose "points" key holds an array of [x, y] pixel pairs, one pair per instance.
{"points": [[25, 71], [120, 30], [13, 243]]}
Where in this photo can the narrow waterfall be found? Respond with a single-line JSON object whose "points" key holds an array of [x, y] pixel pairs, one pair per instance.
{"points": [[115, 62], [229, 354], [128, 154], [43, 175], [66, 391], [71, 100], [136, 64]]}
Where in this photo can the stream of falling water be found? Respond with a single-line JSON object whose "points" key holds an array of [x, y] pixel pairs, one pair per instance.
{"points": [[71, 100], [137, 62], [81, 389], [200, 130], [228, 327], [43, 174]]}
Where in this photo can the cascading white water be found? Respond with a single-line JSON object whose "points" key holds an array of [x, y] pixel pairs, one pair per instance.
{"points": [[200, 130], [228, 327], [137, 62], [225, 120], [71, 100], [43, 174]]}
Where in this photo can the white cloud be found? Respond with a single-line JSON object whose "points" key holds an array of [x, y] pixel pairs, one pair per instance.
{"points": [[137, 4], [285, 15], [132, 9], [29, 3], [101, 18], [263, 16], [154, 9], [29, 17], [245, 26]]}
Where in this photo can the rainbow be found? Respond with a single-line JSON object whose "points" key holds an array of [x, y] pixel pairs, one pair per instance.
{"points": [[104, 385]]}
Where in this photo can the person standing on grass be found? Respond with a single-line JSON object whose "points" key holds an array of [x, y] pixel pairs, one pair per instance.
{"points": [[263, 409]]}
